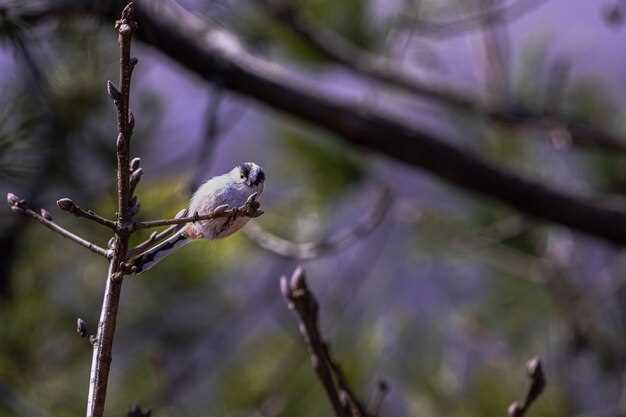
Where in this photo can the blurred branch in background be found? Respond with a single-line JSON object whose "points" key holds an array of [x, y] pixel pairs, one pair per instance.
{"points": [[507, 113], [497, 59], [334, 243], [496, 15], [219, 57]]}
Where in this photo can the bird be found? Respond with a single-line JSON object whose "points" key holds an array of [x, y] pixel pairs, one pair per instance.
{"points": [[233, 189]]}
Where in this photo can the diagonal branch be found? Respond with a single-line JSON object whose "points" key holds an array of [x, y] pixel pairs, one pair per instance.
{"points": [[493, 16], [157, 237], [216, 55], [536, 388], [339, 50], [69, 206], [332, 244], [302, 301], [20, 206], [251, 208]]}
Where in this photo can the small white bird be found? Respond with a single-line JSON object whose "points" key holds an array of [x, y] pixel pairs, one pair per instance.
{"points": [[232, 189]]}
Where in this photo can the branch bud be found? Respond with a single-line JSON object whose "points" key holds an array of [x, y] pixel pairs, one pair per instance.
{"points": [[67, 205], [131, 121], [135, 177], [284, 287], [219, 210], [12, 199], [514, 410], [45, 214], [533, 366], [81, 327], [298, 280], [113, 92], [135, 163], [182, 213]]}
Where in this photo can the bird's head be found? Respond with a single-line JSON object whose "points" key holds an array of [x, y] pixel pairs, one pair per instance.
{"points": [[251, 174]]}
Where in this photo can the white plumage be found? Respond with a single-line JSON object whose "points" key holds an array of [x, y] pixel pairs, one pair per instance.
{"points": [[232, 189]]}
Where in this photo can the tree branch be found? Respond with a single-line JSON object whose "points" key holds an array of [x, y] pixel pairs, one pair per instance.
{"points": [[498, 15], [157, 237], [217, 56], [251, 208], [334, 243], [537, 385], [69, 206], [20, 206], [303, 303], [380, 69], [103, 345]]}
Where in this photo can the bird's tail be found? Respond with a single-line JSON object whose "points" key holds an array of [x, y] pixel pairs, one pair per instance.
{"points": [[153, 255]]}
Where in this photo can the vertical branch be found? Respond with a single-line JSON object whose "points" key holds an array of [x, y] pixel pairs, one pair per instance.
{"points": [[103, 344]]}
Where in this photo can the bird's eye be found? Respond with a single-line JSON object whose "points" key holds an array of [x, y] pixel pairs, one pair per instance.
{"points": [[243, 176]]}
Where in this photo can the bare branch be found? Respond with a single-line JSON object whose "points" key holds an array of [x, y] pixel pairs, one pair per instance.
{"points": [[157, 237], [380, 69], [218, 56], [333, 244], [497, 15], [537, 385], [251, 208], [103, 343], [69, 206], [20, 206], [303, 302]]}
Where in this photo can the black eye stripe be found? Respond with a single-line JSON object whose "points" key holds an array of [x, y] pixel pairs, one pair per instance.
{"points": [[245, 171], [260, 177]]}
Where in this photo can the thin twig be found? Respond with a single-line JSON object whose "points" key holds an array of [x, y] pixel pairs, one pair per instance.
{"points": [[537, 385], [303, 302], [219, 55], [249, 209], [21, 207], [332, 244], [514, 115], [493, 16], [69, 206], [157, 237]]}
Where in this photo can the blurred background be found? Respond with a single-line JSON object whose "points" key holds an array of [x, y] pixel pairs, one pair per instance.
{"points": [[442, 293]]}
